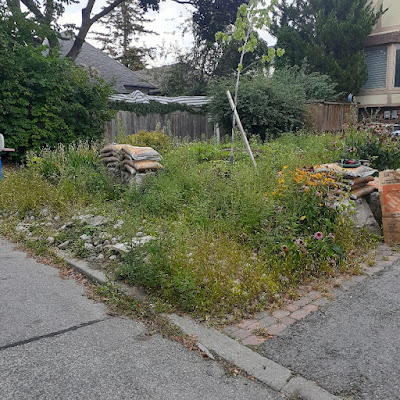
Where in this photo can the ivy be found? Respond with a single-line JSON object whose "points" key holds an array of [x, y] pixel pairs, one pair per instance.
{"points": [[154, 107]]}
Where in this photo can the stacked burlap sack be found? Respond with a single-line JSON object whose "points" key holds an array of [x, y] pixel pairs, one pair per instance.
{"points": [[358, 181], [129, 159]]}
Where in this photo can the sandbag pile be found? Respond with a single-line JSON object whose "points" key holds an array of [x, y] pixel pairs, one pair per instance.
{"points": [[132, 160], [358, 181]]}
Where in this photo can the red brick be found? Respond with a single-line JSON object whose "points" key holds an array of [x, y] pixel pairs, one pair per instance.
{"points": [[287, 321], [253, 341], [302, 302], [280, 314], [292, 307], [314, 295], [245, 324], [311, 308], [267, 321], [241, 334], [275, 329], [299, 314]]}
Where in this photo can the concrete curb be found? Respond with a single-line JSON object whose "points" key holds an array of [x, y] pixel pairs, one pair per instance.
{"points": [[265, 370]]}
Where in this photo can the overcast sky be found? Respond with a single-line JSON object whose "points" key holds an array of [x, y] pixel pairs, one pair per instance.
{"points": [[167, 23]]}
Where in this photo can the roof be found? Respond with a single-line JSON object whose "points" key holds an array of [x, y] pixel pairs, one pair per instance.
{"points": [[155, 75], [139, 97], [121, 77]]}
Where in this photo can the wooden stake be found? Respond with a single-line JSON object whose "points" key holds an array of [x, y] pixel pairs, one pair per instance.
{"points": [[239, 124]]}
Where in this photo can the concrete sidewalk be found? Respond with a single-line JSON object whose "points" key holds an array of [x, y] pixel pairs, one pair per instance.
{"points": [[55, 343]]}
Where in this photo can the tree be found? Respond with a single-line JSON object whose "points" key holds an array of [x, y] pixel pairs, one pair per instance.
{"points": [[124, 24], [328, 35], [46, 13], [44, 99]]}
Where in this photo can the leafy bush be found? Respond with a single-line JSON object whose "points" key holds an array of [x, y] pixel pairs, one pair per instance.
{"points": [[155, 139], [46, 100], [381, 149], [269, 106]]}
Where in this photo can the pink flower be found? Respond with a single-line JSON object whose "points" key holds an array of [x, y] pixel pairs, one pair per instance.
{"points": [[318, 235], [300, 242], [332, 235]]}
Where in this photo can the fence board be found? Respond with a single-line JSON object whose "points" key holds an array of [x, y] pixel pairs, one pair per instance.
{"points": [[326, 116], [179, 125]]}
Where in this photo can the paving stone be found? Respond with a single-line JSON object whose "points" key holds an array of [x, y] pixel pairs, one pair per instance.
{"points": [[267, 321], [253, 341], [311, 308], [292, 307], [394, 257], [262, 314], [275, 329], [321, 302], [246, 323], [230, 330], [287, 321], [299, 314], [314, 295], [279, 314], [242, 334], [302, 302]]}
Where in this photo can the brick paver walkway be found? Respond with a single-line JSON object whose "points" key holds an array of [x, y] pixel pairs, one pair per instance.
{"points": [[264, 325]]}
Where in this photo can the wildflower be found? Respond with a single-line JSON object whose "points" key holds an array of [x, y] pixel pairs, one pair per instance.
{"points": [[278, 209], [285, 248], [300, 242], [351, 149], [351, 253], [318, 235], [305, 187], [303, 251], [331, 235], [332, 262], [318, 193], [302, 218]]}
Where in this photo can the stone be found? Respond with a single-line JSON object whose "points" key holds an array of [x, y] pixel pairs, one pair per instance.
{"points": [[44, 212], [88, 246], [50, 240], [100, 256], [120, 248], [363, 217], [113, 257], [142, 240], [140, 234], [114, 240], [97, 220], [85, 237], [64, 245], [56, 218], [106, 243], [20, 228], [375, 205]]}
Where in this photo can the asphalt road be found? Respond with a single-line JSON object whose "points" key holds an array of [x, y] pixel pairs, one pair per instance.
{"points": [[351, 347], [55, 343]]}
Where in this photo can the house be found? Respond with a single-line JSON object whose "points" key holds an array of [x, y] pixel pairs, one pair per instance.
{"points": [[123, 79], [382, 89]]}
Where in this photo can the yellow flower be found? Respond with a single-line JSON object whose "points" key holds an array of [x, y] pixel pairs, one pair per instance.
{"points": [[302, 218]]}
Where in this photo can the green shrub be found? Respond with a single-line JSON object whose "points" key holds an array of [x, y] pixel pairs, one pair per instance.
{"points": [[44, 99], [381, 149], [270, 106]]}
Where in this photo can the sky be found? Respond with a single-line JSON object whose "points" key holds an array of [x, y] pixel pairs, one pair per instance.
{"points": [[167, 23]]}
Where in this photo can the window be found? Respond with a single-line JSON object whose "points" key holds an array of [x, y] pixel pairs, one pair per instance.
{"points": [[376, 60], [397, 70]]}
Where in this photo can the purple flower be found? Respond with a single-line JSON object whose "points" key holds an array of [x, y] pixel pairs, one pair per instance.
{"points": [[300, 242], [318, 235], [331, 235]]}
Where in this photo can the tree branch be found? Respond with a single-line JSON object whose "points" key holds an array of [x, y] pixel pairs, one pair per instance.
{"points": [[34, 9], [106, 10]]}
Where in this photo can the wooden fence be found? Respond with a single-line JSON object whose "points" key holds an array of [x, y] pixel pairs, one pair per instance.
{"points": [[178, 124], [327, 116]]}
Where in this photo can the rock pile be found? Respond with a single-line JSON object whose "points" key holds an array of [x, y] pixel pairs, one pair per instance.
{"points": [[130, 162]]}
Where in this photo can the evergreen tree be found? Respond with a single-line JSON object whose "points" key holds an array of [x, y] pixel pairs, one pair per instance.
{"points": [[124, 25], [328, 36]]}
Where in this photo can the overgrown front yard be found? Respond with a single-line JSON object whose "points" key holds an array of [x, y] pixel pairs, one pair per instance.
{"points": [[223, 237]]}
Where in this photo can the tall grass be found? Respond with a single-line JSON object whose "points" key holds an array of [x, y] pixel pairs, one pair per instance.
{"points": [[224, 240]]}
